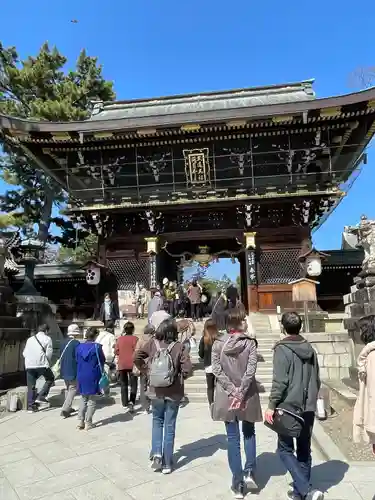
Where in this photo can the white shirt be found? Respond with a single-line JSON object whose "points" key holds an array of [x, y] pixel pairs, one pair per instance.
{"points": [[108, 341], [33, 353]]}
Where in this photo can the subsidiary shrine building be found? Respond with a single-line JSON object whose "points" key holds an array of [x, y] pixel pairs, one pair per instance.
{"points": [[246, 174]]}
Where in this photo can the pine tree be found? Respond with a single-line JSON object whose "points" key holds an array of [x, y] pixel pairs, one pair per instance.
{"points": [[40, 88]]}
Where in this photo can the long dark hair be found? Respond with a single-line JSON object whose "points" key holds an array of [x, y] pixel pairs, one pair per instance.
{"points": [[367, 328], [167, 331], [210, 332]]}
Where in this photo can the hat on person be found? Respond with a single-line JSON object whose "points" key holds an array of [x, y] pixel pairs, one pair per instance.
{"points": [[165, 281], [158, 317], [73, 329], [157, 294]]}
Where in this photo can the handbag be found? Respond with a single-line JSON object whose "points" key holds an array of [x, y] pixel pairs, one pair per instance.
{"points": [[104, 380], [136, 372], [288, 420], [56, 369]]}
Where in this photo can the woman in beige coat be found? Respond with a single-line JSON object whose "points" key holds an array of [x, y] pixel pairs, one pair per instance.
{"points": [[364, 409], [234, 363]]}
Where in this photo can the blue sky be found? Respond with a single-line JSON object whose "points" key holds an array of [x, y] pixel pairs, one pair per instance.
{"points": [[152, 48]]}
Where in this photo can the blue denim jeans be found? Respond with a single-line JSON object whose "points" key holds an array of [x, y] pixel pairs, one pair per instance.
{"points": [[234, 449], [299, 464], [164, 416]]}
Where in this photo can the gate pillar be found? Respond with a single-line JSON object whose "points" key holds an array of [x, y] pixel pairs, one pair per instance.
{"points": [[251, 272]]}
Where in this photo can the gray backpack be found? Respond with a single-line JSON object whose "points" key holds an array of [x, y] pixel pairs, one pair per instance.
{"points": [[162, 371]]}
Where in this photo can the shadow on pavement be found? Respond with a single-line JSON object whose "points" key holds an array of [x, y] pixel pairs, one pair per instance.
{"points": [[205, 447], [328, 474], [119, 417], [268, 465]]}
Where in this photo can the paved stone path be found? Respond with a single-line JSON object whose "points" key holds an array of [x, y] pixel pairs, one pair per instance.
{"points": [[45, 457]]}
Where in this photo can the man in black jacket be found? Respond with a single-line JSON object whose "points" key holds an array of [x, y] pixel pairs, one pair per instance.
{"points": [[290, 356], [109, 311]]}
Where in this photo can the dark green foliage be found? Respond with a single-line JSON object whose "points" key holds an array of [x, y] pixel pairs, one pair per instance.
{"points": [[41, 88]]}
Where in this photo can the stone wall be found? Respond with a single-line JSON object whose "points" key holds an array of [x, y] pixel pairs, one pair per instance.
{"points": [[334, 354]]}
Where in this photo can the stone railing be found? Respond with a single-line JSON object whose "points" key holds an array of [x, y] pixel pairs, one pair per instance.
{"points": [[334, 353]]}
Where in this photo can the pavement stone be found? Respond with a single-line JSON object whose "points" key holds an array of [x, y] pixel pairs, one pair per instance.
{"points": [[44, 457]]}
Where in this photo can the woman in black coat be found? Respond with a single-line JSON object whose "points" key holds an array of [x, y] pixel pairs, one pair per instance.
{"points": [[210, 334]]}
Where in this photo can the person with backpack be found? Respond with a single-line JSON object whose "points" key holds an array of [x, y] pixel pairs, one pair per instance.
{"points": [[169, 366], [38, 353], [68, 368], [295, 388], [234, 364]]}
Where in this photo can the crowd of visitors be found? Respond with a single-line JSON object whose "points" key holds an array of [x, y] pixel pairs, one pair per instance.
{"points": [[158, 361]]}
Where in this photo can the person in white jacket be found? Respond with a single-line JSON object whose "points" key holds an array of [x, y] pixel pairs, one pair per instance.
{"points": [[107, 340], [38, 356]]}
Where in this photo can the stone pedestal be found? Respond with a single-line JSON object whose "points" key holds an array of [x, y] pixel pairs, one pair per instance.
{"points": [[359, 303], [334, 354], [13, 337], [35, 310]]}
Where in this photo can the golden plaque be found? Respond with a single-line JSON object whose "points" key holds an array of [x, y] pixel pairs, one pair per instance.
{"points": [[197, 167]]}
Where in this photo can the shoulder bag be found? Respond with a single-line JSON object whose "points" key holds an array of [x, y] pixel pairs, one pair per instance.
{"points": [[104, 380], [288, 421], [56, 369], [43, 349]]}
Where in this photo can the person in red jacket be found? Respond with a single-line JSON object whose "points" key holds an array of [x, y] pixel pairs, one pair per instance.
{"points": [[125, 348]]}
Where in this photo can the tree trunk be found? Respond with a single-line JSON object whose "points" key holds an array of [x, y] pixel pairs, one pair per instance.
{"points": [[45, 220]]}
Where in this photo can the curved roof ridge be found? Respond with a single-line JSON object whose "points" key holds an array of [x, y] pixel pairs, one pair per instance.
{"points": [[211, 93], [202, 101]]}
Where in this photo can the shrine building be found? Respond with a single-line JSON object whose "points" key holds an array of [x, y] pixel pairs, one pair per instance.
{"points": [[246, 174]]}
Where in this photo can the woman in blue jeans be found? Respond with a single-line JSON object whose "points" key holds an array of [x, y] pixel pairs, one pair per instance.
{"points": [[234, 363], [165, 400]]}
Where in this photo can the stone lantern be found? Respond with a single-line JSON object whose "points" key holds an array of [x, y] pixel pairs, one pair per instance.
{"points": [[33, 308], [31, 251]]}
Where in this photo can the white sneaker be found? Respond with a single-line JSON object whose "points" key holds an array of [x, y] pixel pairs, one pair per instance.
{"points": [[315, 495], [42, 401], [250, 481], [166, 470]]}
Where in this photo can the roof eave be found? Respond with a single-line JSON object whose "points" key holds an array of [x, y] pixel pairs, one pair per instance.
{"points": [[169, 120]]}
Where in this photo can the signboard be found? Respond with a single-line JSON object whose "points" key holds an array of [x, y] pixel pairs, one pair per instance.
{"points": [[153, 280], [251, 267]]}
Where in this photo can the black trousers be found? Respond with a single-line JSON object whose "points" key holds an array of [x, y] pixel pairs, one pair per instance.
{"points": [[297, 460], [195, 311], [127, 378], [171, 308], [210, 378], [32, 375]]}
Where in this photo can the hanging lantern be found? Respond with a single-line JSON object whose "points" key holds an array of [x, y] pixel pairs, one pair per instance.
{"points": [[93, 274], [203, 258], [311, 262], [314, 265]]}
